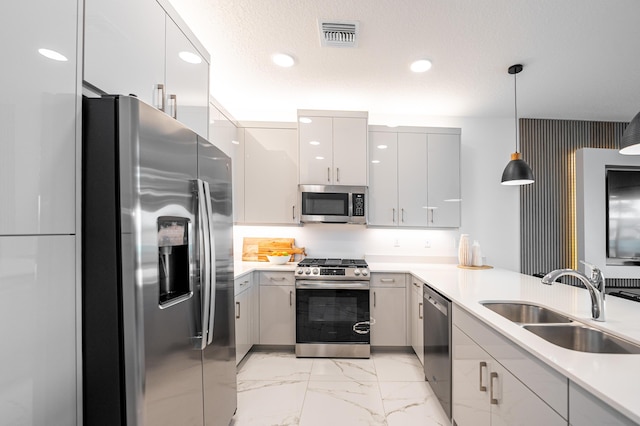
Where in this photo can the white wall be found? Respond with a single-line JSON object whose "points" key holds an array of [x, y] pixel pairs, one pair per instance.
{"points": [[490, 211], [591, 198]]}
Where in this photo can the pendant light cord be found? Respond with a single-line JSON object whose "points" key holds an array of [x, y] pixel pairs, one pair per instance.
{"points": [[515, 105]]}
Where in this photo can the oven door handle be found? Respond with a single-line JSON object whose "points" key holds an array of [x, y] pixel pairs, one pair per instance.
{"points": [[333, 285], [362, 327]]}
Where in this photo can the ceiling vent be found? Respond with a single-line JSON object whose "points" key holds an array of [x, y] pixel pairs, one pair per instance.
{"points": [[338, 33]]}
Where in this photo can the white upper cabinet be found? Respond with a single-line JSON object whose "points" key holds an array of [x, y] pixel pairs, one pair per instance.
{"points": [[38, 118], [271, 170], [414, 177], [134, 48], [187, 81], [333, 148]]}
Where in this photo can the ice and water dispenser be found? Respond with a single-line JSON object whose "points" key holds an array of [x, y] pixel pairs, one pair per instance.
{"points": [[173, 258]]}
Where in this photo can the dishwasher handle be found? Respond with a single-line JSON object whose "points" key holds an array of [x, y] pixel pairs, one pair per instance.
{"points": [[437, 301]]}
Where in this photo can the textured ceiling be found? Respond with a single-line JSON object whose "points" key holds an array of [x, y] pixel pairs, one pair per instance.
{"points": [[581, 57]]}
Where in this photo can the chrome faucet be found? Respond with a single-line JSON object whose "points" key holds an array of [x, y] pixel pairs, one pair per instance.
{"points": [[595, 285]]}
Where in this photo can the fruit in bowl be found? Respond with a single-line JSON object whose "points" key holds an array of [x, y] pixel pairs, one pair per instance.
{"points": [[279, 257]]}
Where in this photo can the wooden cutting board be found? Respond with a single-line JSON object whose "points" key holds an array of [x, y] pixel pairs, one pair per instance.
{"points": [[257, 249]]}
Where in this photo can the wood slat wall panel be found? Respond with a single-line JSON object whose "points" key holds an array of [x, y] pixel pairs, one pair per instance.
{"points": [[547, 207]]}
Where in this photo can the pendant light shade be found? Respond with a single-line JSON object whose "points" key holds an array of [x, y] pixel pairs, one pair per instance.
{"points": [[630, 142], [517, 171]]}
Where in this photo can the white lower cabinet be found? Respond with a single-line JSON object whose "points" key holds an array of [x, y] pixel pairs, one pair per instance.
{"points": [[245, 314], [587, 410], [38, 328], [416, 319], [498, 388], [387, 307], [277, 308]]}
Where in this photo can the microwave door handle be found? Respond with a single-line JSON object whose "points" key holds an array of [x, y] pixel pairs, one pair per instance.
{"points": [[212, 263], [203, 240]]}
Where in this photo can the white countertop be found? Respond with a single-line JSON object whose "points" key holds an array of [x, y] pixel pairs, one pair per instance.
{"points": [[613, 378]]}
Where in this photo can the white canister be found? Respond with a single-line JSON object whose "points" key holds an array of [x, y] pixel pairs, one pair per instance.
{"points": [[476, 254], [464, 251]]}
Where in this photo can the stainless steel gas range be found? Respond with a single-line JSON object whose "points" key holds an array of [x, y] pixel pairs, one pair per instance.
{"points": [[332, 308]]}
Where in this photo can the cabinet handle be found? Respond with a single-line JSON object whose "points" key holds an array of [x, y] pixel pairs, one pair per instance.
{"points": [[293, 212], [402, 215], [338, 174], [160, 95], [433, 213], [494, 375], [277, 278], [243, 283], [415, 284], [393, 215], [482, 365], [237, 310], [290, 298], [420, 310], [328, 174], [174, 106], [387, 280], [374, 299]]}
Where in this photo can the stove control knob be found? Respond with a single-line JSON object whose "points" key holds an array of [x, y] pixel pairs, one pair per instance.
{"points": [[315, 271], [307, 271], [299, 271], [356, 272], [365, 272]]}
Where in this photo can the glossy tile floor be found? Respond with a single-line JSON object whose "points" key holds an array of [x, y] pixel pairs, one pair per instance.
{"points": [[276, 388]]}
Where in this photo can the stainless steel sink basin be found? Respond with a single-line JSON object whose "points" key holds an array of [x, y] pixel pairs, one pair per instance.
{"points": [[584, 339], [525, 313]]}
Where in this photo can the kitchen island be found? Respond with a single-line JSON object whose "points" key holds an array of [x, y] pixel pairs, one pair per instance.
{"points": [[614, 379]]}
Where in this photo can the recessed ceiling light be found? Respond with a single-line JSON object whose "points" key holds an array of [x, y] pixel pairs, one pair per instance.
{"points": [[304, 120], [52, 54], [381, 147], [235, 142], [375, 161], [421, 65], [314, 143], [190, 57], [319, 158], [392, 125], [283, 60]]}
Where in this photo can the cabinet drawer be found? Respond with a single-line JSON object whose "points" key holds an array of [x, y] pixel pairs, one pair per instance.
{"points": [[242, 283], [277, 278], [548, 384], [381, 279]]}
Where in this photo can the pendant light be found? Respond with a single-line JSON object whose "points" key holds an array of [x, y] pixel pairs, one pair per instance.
{"points": [[517, 171], [630, 142]]}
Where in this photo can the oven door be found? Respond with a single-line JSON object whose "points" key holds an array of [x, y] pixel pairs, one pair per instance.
{"points": [[332, 312]]}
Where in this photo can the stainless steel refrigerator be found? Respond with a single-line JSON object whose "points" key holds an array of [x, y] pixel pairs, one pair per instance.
{"points": [[157, 297]]}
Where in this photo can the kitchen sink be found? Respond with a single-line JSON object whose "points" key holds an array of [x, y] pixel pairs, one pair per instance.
{"points": [[525, 313], [583, 339]]}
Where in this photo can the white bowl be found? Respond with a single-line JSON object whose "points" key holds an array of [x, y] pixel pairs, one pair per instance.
{"points": [[279, 260]]}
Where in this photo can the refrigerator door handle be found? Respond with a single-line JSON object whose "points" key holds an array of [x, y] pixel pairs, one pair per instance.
{"points": [[205, 271], [212, 263]]}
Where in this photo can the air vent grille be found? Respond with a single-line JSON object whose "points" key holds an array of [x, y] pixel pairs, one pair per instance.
{"points": [[339, 33]]}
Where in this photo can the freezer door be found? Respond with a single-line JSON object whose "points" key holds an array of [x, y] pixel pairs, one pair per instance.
{"points": [[219, 367], [159, 203]]}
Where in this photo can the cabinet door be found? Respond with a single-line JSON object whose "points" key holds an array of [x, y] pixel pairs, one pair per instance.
{"points": [[187, 83], [277, 315], [586, 410], [243, 324], [271, 172], [124, 47], [316, 151], [350, 151], [443, 179], [38, 328], [470, 368], [383, 179], [38, 119], [417, 329], [412, 179], [388, 310], [516, 404]]}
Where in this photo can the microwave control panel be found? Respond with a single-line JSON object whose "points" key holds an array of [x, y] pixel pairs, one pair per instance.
{"points": [[357, 202]]}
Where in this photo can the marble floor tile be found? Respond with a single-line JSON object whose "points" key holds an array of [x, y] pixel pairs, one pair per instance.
{"points": [[275, 366], [342, 403], [269, 403], [339, 369], [398, 367], [411, 403]]}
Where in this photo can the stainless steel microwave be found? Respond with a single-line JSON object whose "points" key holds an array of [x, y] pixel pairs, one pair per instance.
{"points": [[333, 204]]}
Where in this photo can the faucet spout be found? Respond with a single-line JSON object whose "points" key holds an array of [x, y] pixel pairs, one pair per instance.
{"points": [[595, 285]]}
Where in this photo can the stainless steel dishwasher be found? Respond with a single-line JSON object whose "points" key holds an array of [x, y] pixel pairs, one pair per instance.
{"points": [[437, 345]]}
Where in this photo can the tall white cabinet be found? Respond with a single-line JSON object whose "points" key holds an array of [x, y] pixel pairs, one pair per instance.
{"points": [[136, 47], [414, 177], [333, 147], [39, 136]]}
